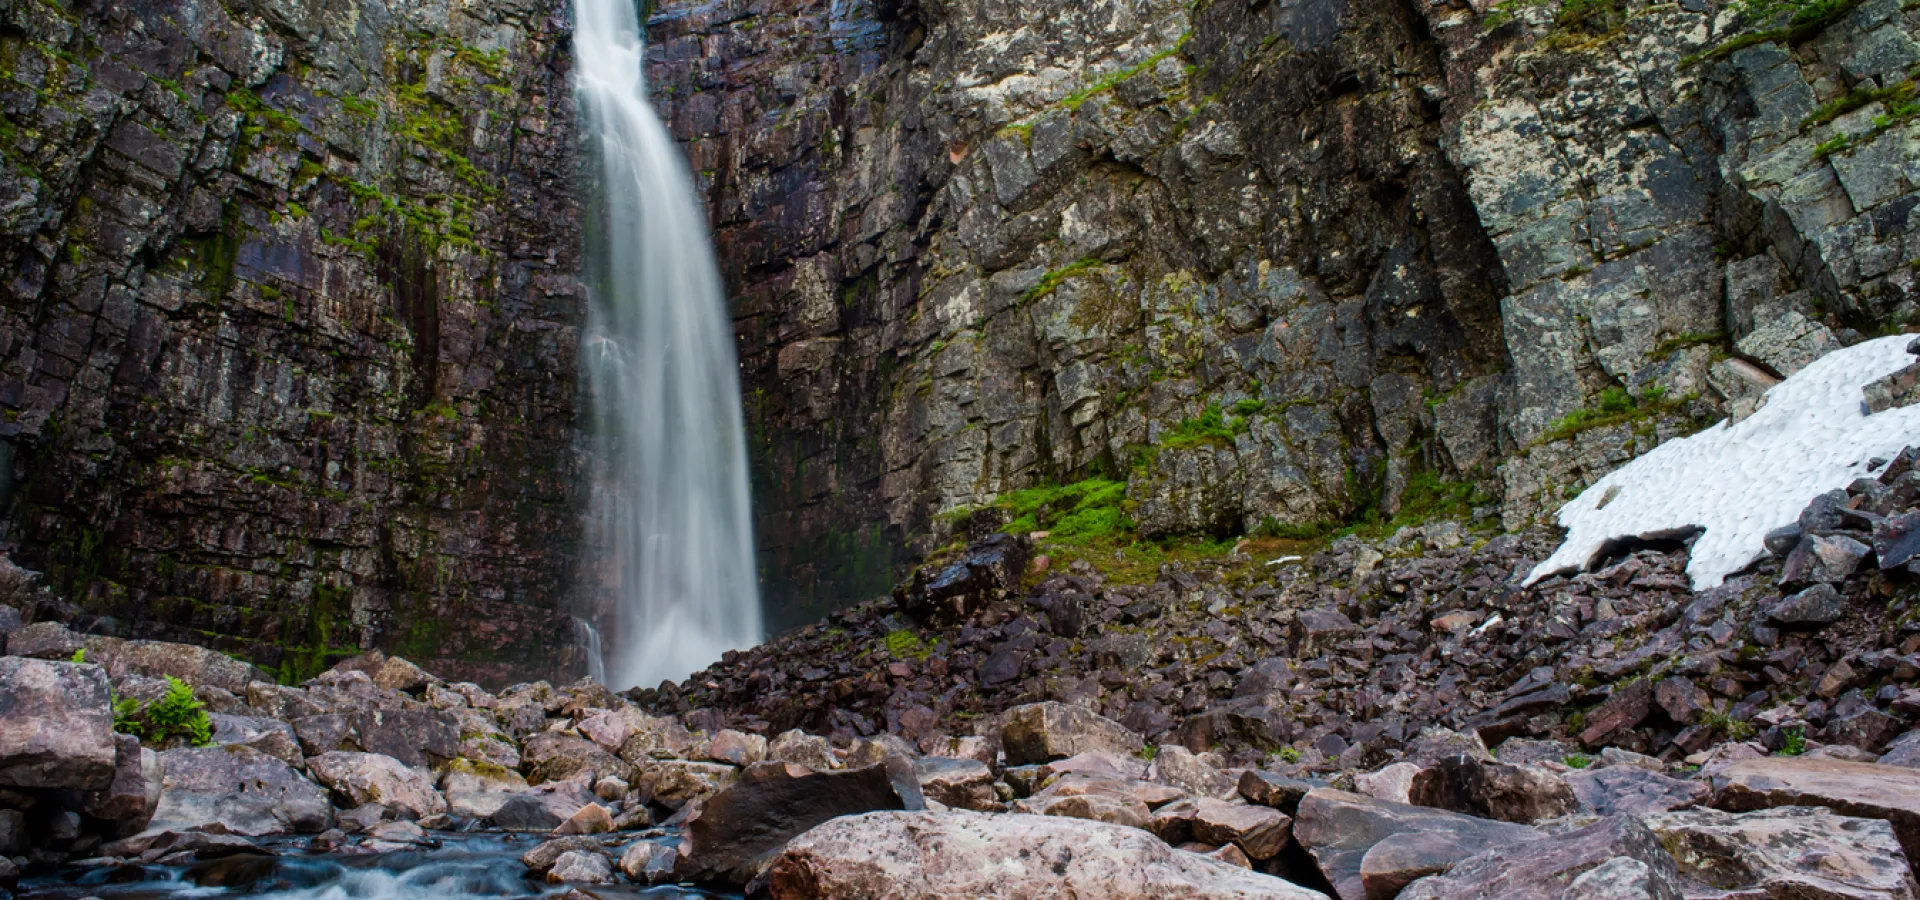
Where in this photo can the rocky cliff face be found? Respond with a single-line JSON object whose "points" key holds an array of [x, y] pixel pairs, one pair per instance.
{"points": [[288, 330], [1272, 263]]}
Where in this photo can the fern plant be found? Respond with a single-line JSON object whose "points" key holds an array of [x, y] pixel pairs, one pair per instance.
{"points": [[175, 715]]}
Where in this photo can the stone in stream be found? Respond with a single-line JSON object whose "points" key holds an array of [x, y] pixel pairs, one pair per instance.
{"points": [[546, 853], [1339, 829], [1003, 857], [56, 725], [1632, 791], [737, 829], [1793, 851], [591, 819], [1869, 790], [649, 862], [363, 778], [581, 867], [239, 790], [1043, 732], [1627, 856]]}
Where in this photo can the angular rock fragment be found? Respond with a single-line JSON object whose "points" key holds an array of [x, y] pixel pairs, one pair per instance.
{"points": [[1633, 791], [737, 828], [1339, 829], [239, 790], [362, 778], [1791, 851], [1867, 790], [1043, 732], [56, 725]]}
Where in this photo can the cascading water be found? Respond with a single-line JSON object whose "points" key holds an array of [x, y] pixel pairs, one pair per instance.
{"points": [[671, 486]]}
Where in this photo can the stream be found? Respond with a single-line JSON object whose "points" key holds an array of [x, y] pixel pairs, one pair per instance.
{"points": [[463, 866]]}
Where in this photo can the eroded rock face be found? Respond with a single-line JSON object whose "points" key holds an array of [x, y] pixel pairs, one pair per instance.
{"points": [[393, 279], [238, 789], [56, 725], [967, 854]]}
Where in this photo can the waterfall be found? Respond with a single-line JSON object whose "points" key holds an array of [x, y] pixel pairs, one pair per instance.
{"points": [[670, 489]]}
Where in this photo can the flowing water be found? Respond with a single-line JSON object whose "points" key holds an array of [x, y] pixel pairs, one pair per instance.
{"points": [[668, 441], [464, 867]]}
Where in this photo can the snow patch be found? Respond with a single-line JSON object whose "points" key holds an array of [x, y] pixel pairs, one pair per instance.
{"points": [[1739, 481]]}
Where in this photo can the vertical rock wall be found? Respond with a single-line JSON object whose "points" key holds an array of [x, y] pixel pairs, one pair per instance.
{"points": [[288, 326], [1271, 263]]}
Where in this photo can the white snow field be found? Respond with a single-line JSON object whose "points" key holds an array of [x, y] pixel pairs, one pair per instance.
{"points": [[1740, 481]]}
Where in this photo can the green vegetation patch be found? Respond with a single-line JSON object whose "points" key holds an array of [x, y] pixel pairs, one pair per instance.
{"points": [[1052, 280], [1799, 20], [1614, 407], [175, 715], [1092, 508]]}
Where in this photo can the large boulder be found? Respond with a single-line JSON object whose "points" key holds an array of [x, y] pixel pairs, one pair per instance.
{"points": [[540, 809], [1493, 790], [985, 572], [56, 725], [1340, 830], [197, 666], [968, 854], [362, 778], [479, 789], [551, 756], [673, 782], [415, 737], [1792, 851], [1868, 790], [737, 829], [1627, 856], [129, 800], [238, 789], [1043, 732], [1632, 791]]}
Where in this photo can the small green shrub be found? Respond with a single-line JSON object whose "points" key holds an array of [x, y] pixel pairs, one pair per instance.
{"points": [[1211, 426], [1577, 760], [1795, 742], [79, 655], [1092, 508], [175, 715], [1289, 755]]}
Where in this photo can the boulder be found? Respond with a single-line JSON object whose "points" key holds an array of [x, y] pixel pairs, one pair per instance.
{"points": [[737, 748], [56, 725], [239, 790], [983, 573], [673, 782], [1633, 791], [1869, 790], [581, 867], [962, 783], [1182, 768], [876, 750], [1043, 732], [1394, 783], [1277, 791], [1319, 631], [397, 674], [423, 737], [1493, 790], [1338, 829], [551, 756], [590, 819], [1626, 707], [129, 800], [361, 778], [1904, 751], [1003, 857], [1792, 851], [281, 702], [648, 862], [197, 666], [1258, 831], [801, 748], [540, 809], [736, 829], [270, 736], [45, 640], [1814, 607], [478, 789], [1621, 848]]}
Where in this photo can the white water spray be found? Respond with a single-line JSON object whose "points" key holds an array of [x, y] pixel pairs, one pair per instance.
{"points": [[671, 490]]}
